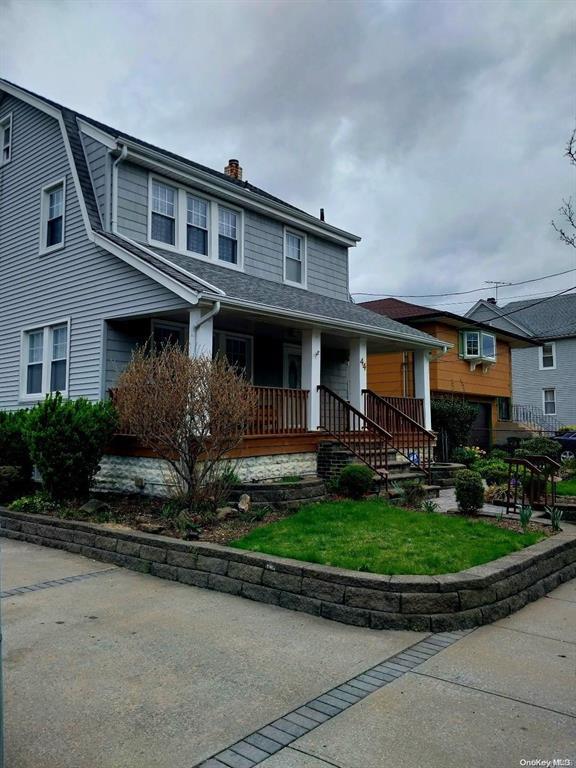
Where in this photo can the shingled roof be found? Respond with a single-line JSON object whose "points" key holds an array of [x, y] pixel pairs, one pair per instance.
{"points": [[211, 280], [554, 318]]}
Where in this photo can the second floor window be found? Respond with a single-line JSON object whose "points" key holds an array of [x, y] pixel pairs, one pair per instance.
{"points": [[6, 139], [52, 215], [163, 213], [294, 258], [478, 345], [227, 235], [548, 355], [197, 225]]}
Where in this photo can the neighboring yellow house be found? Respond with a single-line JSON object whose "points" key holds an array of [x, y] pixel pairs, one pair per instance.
{"points": [[477, 366]]}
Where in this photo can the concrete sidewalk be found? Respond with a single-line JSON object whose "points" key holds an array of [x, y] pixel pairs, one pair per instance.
{"points": [[114, 669]]}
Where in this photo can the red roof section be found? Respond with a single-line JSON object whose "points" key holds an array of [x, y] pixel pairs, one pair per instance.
{"points": [[398, 309]]}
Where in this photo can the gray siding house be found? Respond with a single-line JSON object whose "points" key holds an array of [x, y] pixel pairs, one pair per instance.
{"points": [[107, 241], [544, 376]]}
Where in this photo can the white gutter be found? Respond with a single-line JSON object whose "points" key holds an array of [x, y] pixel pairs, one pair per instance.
{"points": [[114, 218]]}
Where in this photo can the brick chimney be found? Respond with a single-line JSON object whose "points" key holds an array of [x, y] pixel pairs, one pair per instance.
{"points": [[233, 169]]}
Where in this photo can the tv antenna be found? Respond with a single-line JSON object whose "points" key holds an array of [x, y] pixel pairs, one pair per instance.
{"points": [[497, 284]]}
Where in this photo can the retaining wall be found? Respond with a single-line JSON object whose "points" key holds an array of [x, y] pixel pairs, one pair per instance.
{"points": [[476, 596]]}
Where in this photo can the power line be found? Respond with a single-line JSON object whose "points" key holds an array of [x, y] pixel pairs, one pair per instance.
{"points": [[459, 293], [536, 303], [504, 298]]}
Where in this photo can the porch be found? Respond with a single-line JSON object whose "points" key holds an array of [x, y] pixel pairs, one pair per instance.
{"points": [[286, 362], [310, 382]]}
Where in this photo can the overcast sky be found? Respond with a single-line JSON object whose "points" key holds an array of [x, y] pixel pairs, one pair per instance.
{"points": [[435, 130]]}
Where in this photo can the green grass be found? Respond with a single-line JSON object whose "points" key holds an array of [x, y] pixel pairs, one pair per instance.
{"points": [[567, 487], [376, 537]]}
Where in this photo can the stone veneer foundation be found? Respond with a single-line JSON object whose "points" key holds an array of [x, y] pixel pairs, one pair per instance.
{"points": [[452, 601], [154, 477]]}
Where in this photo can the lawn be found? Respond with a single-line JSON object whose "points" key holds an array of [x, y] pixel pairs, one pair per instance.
{"points": [[376, 537], [567, 487]]}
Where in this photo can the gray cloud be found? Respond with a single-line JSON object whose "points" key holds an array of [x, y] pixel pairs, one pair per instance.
{"points": [[433, 129]]}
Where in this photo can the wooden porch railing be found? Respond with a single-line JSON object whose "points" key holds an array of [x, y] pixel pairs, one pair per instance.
{"points": [[279, 411], [355, 431], [409, 437], [413, 407]]}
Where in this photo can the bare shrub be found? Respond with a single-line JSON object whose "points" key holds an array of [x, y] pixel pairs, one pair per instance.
{"points": [[191, 412]]}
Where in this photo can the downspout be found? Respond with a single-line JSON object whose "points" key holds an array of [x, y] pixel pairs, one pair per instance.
{"points": [[114, 218], [195, 325]]}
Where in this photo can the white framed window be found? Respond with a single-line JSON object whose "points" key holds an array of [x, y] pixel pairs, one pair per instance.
{"points": [[227, 235], [52, 216], [45, 352], [6, 139], [549, 401], [238, 349], [193, 224], [548, 356], [478, 345], [197, 214], [163, 212], [294, 258]]}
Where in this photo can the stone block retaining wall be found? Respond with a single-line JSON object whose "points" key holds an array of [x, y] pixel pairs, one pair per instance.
{"points": [[476, 596]]}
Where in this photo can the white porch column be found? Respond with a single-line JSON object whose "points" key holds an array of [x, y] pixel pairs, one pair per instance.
{"points": [[357, 367], [200, 337], [311, 359], [422, 383]]}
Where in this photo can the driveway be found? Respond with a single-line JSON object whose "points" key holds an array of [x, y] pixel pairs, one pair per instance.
{"points": [[107, 668]]}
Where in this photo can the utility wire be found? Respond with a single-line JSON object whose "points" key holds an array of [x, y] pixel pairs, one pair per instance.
{"points": [[459, 293]]}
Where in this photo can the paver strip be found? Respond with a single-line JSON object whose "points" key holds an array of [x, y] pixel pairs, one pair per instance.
{"points": [[15, 591], [277, 735]]}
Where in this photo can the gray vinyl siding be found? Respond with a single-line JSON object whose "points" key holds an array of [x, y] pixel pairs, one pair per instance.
{"points": [[80, 282], [484, 314], [327, 263], [334, 371], [528, 381], [121, 340], [97, 158]]}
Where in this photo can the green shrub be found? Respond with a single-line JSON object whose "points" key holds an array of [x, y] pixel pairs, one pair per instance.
{"points": [[355, 481], [494, 471], [12, 482], [37, 504], [469, 491], [464, 455], [429, 506], [453, 416], [498, 453], [13, 447], [525, 517], [66, 439], [567, 428], [413, 493], [539, 446]]}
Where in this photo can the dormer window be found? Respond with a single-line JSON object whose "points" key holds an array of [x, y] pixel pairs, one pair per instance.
{"points": [[163, 213], [197, 225], [227, 235], [193, 223], [294, 258], [6, 139]]}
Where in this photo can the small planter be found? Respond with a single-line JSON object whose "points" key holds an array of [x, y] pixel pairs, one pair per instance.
{"points": [[280, 495]]}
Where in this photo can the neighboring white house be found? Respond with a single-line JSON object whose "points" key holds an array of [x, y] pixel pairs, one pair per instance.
{"points": [[544, 377]]}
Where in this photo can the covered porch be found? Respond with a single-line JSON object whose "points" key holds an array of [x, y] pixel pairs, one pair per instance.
{"points": [[286, 361]]}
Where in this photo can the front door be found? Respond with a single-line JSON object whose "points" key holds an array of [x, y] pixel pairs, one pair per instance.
{"points": [[292, 377], [481, 427]]}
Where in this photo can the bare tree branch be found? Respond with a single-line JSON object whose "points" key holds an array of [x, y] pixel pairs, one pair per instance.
{"points": [[567, 232], [191, 411]]}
